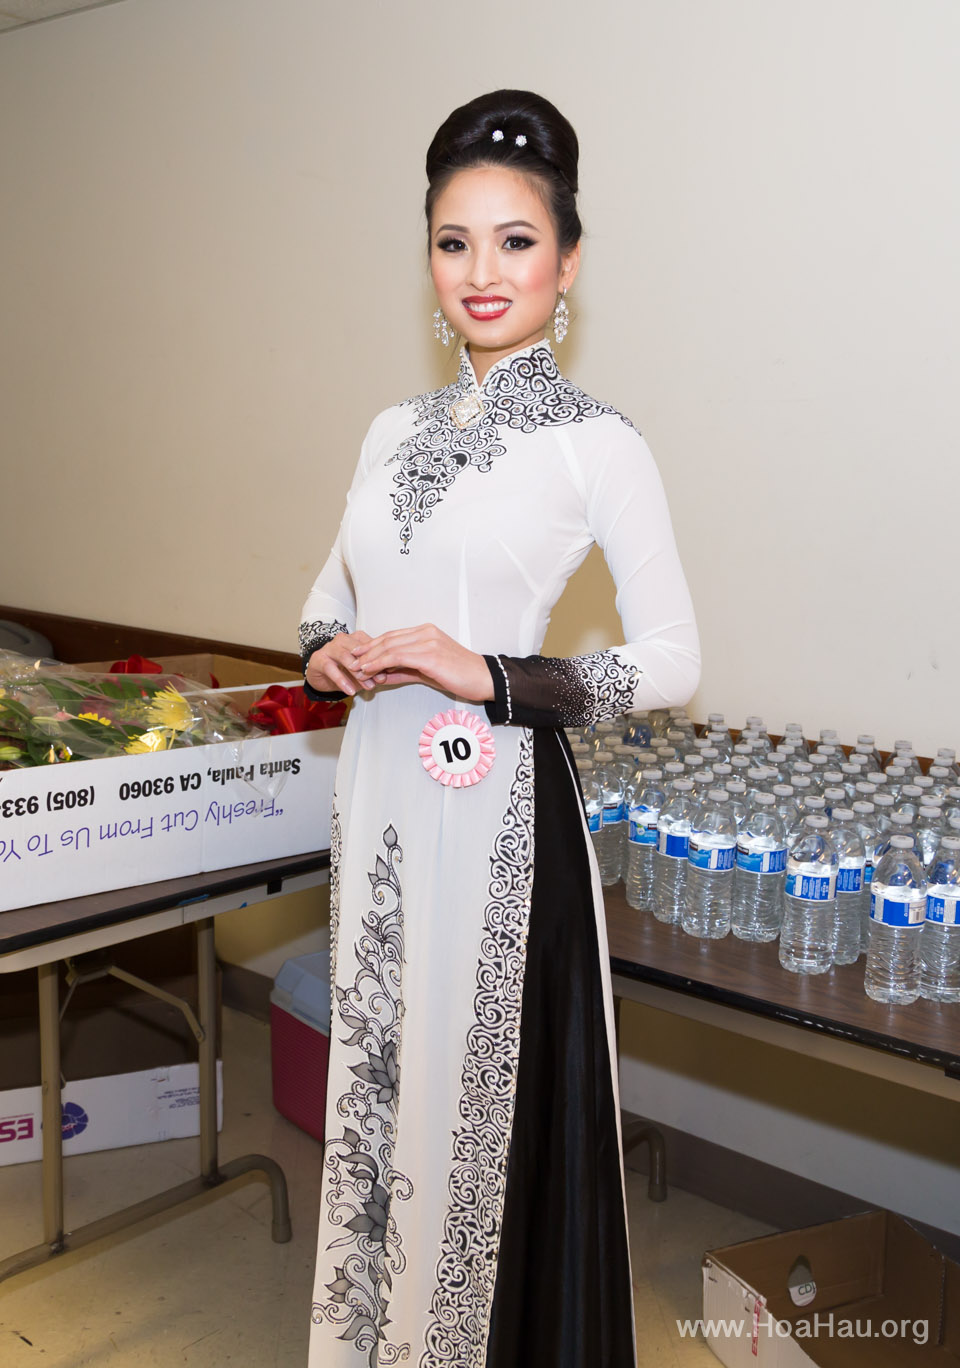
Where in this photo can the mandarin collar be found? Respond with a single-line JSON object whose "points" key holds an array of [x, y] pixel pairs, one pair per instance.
{"points": [[468, 376]]}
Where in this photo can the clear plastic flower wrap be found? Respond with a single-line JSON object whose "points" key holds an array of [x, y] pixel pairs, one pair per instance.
{"points": [[51, 714]]}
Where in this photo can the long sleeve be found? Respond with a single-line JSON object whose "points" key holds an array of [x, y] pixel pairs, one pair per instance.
{"points": [[659, 664], [331, 606]]}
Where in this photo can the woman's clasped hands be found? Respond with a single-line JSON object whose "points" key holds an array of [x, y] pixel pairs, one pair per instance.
{"points": [[409, 655]]}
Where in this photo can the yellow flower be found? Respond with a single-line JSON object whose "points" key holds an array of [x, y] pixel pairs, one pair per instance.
{"points": [[168, 708], [93, 717], [149, 741], [51, 756]]}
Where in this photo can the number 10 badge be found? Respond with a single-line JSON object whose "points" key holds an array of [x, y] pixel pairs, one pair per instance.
{"points": [[457, 748]]}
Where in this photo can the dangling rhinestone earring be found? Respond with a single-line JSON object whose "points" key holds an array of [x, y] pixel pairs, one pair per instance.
{"points": [[561, 319], [441, 328]]}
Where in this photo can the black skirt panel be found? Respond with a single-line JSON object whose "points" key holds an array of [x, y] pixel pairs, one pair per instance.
{"points": [[562, 1295]]}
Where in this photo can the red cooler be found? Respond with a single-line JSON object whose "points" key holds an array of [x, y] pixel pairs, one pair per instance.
{"points": [[300, 1040]]}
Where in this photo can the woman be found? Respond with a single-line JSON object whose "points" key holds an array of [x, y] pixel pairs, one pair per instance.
{"points": [[472, 1208]]}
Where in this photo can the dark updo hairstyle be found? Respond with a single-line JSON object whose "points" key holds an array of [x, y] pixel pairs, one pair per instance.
{"points": [[549, 156]]}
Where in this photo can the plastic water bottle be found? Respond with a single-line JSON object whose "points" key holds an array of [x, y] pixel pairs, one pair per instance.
{"points": [[927, 831], [788, 810], [637, 731], [865, 822], [940, 939], [793, 735], [710, 860], [613, 829], [808, 935], [593, 801], [848, 843], [644, 799], [670, 857], [759, 873], [736, 791], [897, 914], [834, 796]]}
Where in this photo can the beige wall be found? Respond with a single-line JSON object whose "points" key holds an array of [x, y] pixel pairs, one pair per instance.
{"points": [[213, 276], [213, 266]]}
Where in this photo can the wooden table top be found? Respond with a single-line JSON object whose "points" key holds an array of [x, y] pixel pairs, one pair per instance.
{"points": [[45, 922], [749, 976]]}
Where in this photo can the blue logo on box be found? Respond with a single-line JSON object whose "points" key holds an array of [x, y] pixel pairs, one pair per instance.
{"points": [[74, 1120]]}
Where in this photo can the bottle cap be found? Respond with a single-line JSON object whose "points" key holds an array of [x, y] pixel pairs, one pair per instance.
{"points": [[710, 753], [901, 819], [931, 813], [948, 753], [814, 803], [876, 777], [832, 777], [682, 785], [833, 795], [802, 782], [911, 791], [863, 787], [818, 760], [757, 774], [950, 843], [723, 771], [754, 721], [736, 787], [883, 800], [901, 842], [865, 739], [673, 767], [895, 771], [783, 790], [954, 793], [764, 799], [816, 821], [603, 757], [850, 769], [863, 809], [718, 795], [842, 814], [828, 733], [651, 774], [693, 759], [786, 749], [903, 745], [938, 772], [803, 767]]}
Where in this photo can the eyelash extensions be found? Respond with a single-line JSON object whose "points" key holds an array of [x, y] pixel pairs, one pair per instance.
{"points": [[445, 244]]}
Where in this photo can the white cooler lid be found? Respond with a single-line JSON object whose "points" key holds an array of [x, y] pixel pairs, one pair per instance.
{"points": [[302, 988]]}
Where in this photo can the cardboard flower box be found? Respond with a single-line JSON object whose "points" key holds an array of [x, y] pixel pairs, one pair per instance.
{"points": [[93, 825]]}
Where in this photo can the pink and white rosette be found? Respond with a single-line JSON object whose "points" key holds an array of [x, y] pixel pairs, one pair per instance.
{"points": [[457, 748]]}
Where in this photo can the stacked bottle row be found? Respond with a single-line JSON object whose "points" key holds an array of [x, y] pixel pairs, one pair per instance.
{"points": [[833, 855]]}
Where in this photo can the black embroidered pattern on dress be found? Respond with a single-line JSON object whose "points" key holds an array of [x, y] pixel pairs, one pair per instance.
{"points": [[461, 1304], [524, 393], [313, 635], [592, 688], [361, 1183], [336, 852], [556, 691]]}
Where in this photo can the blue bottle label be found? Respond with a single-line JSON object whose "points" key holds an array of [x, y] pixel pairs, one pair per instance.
{"points": [[849, 877], [897, 911], [868, 869], [717, 857], [942, 910], [674, 847], [761, 861], [612, 813], [643, 825], [593, 820], [811, 887]]}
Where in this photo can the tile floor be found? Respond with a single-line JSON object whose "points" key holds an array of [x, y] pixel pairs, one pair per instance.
{"points": [[207, 1287]]}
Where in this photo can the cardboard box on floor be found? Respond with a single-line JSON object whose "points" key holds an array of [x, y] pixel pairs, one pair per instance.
{"points": [[129, 1061], [133, 819], [867, 1291]]}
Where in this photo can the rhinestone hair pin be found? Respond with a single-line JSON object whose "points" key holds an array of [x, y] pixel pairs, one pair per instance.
{"points": [[520, 139]]}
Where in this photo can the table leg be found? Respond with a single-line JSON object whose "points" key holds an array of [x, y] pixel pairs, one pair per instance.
{"points": [[207, 1013], [52, 1139]]}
